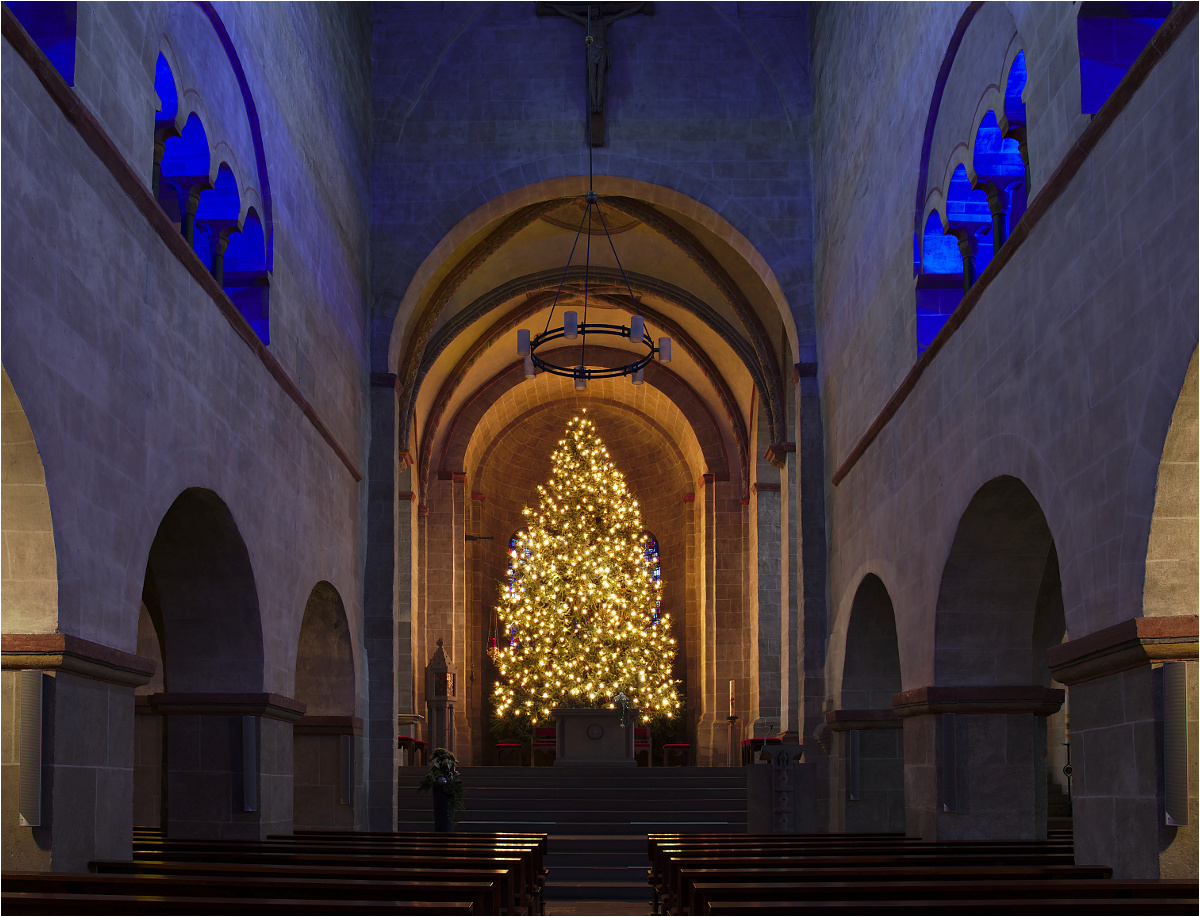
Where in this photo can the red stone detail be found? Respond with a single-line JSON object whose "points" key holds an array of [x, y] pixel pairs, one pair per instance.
{"points": [[70, 645], [689, 498], [479, 497], [929, 699]]}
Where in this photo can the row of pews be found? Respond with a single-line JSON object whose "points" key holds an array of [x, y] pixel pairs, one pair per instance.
{"points": [[892, 874], [309, 872]]}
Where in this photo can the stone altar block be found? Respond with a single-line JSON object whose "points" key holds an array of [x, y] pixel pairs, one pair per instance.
{"points": [[588, 737]]}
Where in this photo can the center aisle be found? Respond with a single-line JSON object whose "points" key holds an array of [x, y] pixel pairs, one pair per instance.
{"points": [[597, 818]]}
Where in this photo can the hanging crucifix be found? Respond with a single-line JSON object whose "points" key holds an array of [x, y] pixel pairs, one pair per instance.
{"points": [[595, 18]]}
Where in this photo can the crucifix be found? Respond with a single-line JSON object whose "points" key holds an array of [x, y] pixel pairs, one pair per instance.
{"points": [[595, 18]]}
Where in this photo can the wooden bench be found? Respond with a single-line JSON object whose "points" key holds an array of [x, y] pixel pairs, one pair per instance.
{"points": [[117, 905], [1000, 897], [481, 895], [505, 877]]}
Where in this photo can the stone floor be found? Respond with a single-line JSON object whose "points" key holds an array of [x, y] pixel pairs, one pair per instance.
{"points": [[614, 908]]}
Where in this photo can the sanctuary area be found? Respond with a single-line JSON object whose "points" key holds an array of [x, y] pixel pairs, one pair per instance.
{"points": [[774, 417]]}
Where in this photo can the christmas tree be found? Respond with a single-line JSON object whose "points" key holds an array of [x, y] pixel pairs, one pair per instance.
{"points": [[581, 606]]}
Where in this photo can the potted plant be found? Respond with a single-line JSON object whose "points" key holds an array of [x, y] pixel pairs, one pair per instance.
{"points": [[447, 786]]}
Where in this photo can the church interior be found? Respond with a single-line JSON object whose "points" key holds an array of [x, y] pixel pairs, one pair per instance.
{"points": [[911, 430]]}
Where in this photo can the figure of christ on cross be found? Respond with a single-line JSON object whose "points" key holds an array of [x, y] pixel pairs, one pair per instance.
{"points": [[595, 18]]}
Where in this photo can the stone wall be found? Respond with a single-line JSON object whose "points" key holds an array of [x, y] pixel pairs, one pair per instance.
{"points": [[135, 384], [1065, 374]]}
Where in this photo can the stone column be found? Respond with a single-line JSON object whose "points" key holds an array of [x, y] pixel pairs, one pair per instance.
{"points": [[707, 753], [762, 593], [380, 606], [866, 770], [811, 561], [459, 647], [86, 773], [975, 760], [1118, 719], [229, 763]]}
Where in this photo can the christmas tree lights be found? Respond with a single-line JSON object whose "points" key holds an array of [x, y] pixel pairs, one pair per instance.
{"points": [[581, 604]]}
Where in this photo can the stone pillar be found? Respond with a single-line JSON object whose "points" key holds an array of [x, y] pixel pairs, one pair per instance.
{"points": [[461, 639], [975, 760], [762, 593], [707, 752], [86, 751], [327, 751], [791, 661], [380, 605], [1115, 679], [866, 770], [966, 248], [812, 569]]}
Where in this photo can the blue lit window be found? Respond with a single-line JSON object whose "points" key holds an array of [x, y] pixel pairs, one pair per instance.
{"points": [[52, 27], [1111, 36]]}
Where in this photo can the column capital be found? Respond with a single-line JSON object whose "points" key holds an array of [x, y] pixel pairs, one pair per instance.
{"points": [[68, 653], [1127, 645], [932, 699]]}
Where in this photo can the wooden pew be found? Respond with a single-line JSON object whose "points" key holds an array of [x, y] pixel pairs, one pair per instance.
{"points": [[668, 884], [481, 895], [1001, 897], [519, 884], [117, 905]]}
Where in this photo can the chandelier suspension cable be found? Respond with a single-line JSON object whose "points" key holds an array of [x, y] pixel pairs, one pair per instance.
{"points": [[527, 345]]}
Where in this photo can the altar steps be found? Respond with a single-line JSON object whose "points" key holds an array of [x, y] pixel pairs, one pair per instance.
{"points": [[597, 818]]}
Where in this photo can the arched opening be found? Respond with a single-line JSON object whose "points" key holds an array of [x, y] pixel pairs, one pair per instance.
{"points": [[244, 275], [999, 611], [201, 603], [1173, 548], [52, 27], [184, 170], [868, 739], [30, 574], [325, 751], [515, 460], [217, 218], [1111, 36]]}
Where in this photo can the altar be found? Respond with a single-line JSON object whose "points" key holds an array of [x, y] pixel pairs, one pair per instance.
{"points": [[589, 737]]}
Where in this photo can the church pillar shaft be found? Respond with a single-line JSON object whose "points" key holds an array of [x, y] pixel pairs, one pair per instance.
{"points": [[380, 609]]}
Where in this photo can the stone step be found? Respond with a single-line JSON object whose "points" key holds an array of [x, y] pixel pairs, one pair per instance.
{"points": [[547, 826], [597, 890]]}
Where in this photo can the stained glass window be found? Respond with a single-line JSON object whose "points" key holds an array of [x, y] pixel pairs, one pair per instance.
{"points": [[512, 557], [655, 567]]}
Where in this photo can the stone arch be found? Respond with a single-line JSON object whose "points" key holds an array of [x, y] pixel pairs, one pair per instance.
{"points": [[503, 464], [871, 670], [434, 283], [30, 573], [661, 386], [325, 738], [990, 585], [199, 76], [868, 744], [1170, 586], [201, 576], [999, 610], [200, 596]]}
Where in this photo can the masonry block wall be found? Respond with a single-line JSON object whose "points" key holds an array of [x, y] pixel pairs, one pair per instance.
{"points": [[136, 386], [1065, 375]]}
